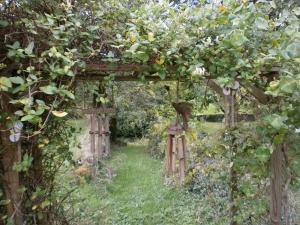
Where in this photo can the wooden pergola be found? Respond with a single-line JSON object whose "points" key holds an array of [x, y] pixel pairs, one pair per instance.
{"points": [[98, 71], [127, 72]]}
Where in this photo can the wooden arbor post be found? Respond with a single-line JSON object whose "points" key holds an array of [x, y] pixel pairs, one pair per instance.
{"points": [[106, 134], [99, 133], [231, 113], [100, 147], [276, 186], [103, 144], [176, 153], [280, 180], [93, 135]]}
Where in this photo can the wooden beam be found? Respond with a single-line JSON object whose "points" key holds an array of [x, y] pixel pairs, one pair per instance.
{"points": [[98, 110], [215, 87], [116, 67], [101, 77], [256, 92]]}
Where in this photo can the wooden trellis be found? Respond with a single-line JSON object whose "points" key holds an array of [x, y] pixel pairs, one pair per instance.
{"points": [[98, 71], [176, 153], [99, 132]]}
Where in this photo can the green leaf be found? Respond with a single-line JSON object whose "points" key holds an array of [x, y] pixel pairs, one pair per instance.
{"points": [[288, 85], [29, 48], [276, 121], [278, 139], [15, 46], [49, 90], [151, 37], [17, 80], [19, 113], [27, 118], [69, 94], [293, 50], [3, 23], [102, 100], [261, 23], [263, 154], [25, 164], [45, 203], [5, 83], [142, 56], [238, 38], [39, 111]]}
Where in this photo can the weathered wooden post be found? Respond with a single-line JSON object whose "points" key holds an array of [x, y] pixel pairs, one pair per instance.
{"points": [[276, 185], [173, 156], [231, 111], [107, 136], [100, 138], [181, 157], [176, 152], [92, 133], [168, 154]]}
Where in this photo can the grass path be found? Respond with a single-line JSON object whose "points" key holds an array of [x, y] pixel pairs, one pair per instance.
{"points": [[137, 194]]}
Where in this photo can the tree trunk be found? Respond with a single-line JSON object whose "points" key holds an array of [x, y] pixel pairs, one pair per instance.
{"points": [[10, 153], [10, 178]]}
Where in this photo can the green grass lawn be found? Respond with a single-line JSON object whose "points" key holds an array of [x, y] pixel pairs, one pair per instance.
{"points": [[136, 195]]}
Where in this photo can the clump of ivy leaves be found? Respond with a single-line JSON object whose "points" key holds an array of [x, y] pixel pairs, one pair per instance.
{"points": [[45, 58], [233, 41]]}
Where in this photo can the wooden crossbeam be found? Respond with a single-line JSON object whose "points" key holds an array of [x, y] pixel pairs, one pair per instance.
{"points": [[98, 110], [100, 71], [134, 77], [124, 72], [116, 67]]}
